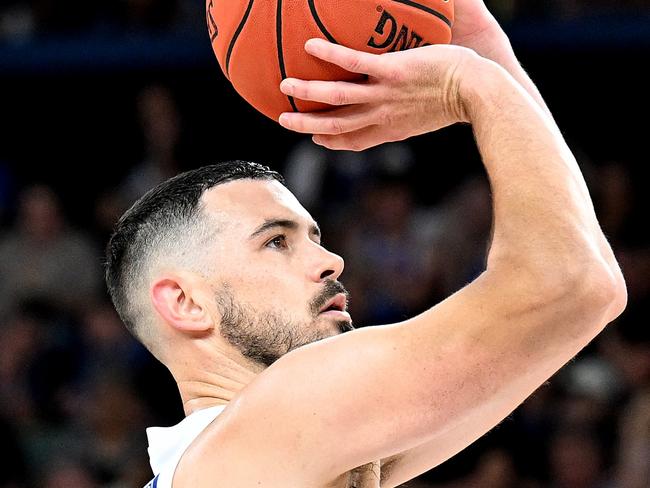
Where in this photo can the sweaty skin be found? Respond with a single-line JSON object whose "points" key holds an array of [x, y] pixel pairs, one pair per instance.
{"points": [[380, 405]]}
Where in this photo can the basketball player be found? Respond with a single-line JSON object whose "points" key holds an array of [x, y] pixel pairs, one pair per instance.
{"points": [[220, 273]]}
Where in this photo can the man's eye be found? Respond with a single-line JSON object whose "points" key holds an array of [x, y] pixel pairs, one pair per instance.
{"points": [[278, 242]]}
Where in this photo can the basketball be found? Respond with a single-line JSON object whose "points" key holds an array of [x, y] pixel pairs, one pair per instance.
{"points": [[258, 43]]}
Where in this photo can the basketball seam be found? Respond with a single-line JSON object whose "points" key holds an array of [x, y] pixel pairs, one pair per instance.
{"points": [[240, 27], [424, 8], [213, 24], [320, 24], [278, 27]]}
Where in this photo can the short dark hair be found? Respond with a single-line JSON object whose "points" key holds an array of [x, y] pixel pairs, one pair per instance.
{"points": [[167, 215]]}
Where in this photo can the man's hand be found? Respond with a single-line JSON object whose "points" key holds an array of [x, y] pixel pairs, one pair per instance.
{"points": [[476, 28], [405, 94]]}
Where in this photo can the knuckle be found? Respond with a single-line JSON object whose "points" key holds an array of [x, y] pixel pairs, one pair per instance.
{"points": [[353, 63], [336, 127], [339, 97], [394, 75]]}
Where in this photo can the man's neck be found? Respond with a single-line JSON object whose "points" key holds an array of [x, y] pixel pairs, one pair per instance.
{"points": [[216, 383]]}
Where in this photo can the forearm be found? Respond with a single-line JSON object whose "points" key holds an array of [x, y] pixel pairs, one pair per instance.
{"points": [[542, 213], [493, 44]]}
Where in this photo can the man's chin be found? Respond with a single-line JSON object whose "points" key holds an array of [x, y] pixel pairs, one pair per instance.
{"points": [[341, 326], [331, 328]]}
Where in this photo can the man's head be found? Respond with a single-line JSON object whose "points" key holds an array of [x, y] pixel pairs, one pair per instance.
{"points": [[224, 252]]}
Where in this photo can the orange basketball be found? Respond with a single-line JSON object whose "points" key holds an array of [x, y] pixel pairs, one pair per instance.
{"points": [[258, 43]]}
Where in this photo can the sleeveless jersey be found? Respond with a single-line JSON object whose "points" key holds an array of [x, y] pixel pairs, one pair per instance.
{"points": [[167, 444]]}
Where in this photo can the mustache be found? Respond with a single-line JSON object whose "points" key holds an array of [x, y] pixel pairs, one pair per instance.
{"points": [[330, 290]]}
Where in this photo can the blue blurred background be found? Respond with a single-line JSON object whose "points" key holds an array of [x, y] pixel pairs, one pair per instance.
{"points": [[99, 101]]}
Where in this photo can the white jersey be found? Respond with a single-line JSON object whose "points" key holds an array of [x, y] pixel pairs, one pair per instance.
{"points": [[167, 444]]}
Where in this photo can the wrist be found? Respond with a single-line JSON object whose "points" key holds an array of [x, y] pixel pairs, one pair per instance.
{"points": [[481, 86]]}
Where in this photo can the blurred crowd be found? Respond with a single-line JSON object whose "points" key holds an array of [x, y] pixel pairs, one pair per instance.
{"points": [[23, 19], [76, 391]]}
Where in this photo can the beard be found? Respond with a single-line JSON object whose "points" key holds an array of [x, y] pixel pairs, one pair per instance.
{"points": [[266, 336]]}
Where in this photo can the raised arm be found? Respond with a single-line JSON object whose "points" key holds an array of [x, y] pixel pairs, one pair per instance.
{"points": [[477, 29], [378, 392]]}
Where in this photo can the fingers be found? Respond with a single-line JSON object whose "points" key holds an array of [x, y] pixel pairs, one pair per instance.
{"points": [[331, 92], [346, 58], [337, 121], [359, 140]]}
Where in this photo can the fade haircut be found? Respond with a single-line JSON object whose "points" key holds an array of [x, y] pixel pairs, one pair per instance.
{"points": [[166, 225]]}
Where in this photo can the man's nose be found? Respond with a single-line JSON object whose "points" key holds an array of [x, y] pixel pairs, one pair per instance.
{"points": [[329, 265]]}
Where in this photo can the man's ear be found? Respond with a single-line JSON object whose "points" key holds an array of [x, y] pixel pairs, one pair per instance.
{"points": [[180, 302]]}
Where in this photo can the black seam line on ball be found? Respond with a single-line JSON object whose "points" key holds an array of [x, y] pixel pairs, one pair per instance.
{"points": [[424, 8], [320, 24], [240, 27], [212, 23], [283, 72]]}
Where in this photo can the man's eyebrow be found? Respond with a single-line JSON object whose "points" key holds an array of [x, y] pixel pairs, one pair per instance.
{"points": [[284, 224]]}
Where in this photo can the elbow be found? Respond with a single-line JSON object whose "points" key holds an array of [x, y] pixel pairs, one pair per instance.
{"points": [[589, 288], [615, 299], [599, 290]]}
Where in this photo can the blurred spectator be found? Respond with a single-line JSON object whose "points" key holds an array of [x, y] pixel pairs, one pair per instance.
{"points": [[108, 419], [23, 332], [36, 375], [329, 182], [459, 236], [161, 129], [109, 207], [42, 257], [160, 122], [310, 168], [388, 260], [107, 345]]}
